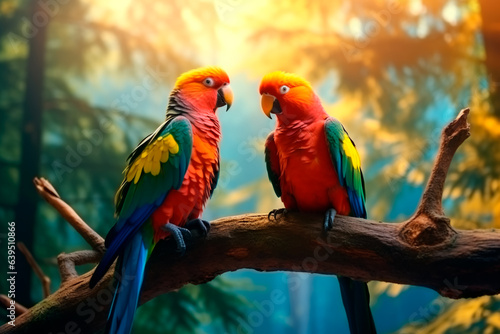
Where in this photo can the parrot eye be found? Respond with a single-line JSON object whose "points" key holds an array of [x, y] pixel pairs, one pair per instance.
{"points": [[284, 89], [209, 82]]}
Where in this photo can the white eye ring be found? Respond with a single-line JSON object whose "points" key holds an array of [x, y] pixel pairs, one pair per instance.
{"points": [[284, 89], [209, 82]]}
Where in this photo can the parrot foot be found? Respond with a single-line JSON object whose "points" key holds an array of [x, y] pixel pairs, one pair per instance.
{"points": [[178, 234], [276, 212], [200, 227], [329, 217]]}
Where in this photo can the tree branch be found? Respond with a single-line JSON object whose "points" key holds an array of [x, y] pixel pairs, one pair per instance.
{"points": [[6, 303], [67, 262], [429, 225], [457, 264], [48, 192], [44, 279]]}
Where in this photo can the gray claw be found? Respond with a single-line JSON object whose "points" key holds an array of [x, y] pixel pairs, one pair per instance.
{"points": [[179, 234], [329, 218], [276, 212], [200, 226]]}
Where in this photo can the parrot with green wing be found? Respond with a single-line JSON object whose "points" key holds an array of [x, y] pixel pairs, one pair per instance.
{"points": [[169, 177], [314, 166]]}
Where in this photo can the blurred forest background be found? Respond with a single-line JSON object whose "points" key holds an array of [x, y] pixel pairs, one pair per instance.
{"points": [[82, 81]]}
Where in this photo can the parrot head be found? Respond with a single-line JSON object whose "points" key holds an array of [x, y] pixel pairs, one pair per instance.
{"points": [[205, 88], [287, 95]]}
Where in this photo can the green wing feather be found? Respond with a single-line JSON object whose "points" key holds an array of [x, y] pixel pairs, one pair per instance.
{"points": [[345, 158], [346, 161], [155, 167]]}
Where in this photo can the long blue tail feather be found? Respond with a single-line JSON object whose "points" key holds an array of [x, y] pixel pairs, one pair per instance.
{"points": [[117, 238], [131, 268]]}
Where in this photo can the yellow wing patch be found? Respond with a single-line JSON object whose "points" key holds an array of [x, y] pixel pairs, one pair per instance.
{"points": [[351, 152], [152, 157]]}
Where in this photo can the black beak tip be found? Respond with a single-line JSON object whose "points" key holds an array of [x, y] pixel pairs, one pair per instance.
{"points": [[276, 108], [221, 101]]}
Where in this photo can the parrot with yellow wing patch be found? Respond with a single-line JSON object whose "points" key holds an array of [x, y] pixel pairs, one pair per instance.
{"points": [[314, 166], [169, 177]]}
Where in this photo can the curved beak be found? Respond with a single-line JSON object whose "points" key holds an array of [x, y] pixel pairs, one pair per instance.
{"points": [[225, 97], [270, 105]]}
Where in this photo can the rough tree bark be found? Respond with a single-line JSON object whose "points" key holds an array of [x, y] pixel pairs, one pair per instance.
{"points": [[424, 251]]}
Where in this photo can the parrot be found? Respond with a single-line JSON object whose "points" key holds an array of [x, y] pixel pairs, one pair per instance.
{"points": [[168, 179], [314, 166]]}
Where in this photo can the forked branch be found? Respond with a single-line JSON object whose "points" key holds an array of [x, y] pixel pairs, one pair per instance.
{"points": [[424, 251]]}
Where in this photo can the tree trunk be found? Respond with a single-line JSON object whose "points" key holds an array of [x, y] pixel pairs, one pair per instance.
{"points": [[25, 211]]}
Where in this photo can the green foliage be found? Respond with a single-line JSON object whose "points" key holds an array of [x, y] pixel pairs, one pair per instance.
{"points": [[216, 305], [85, 146], [393, 90], [475, 316]]}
